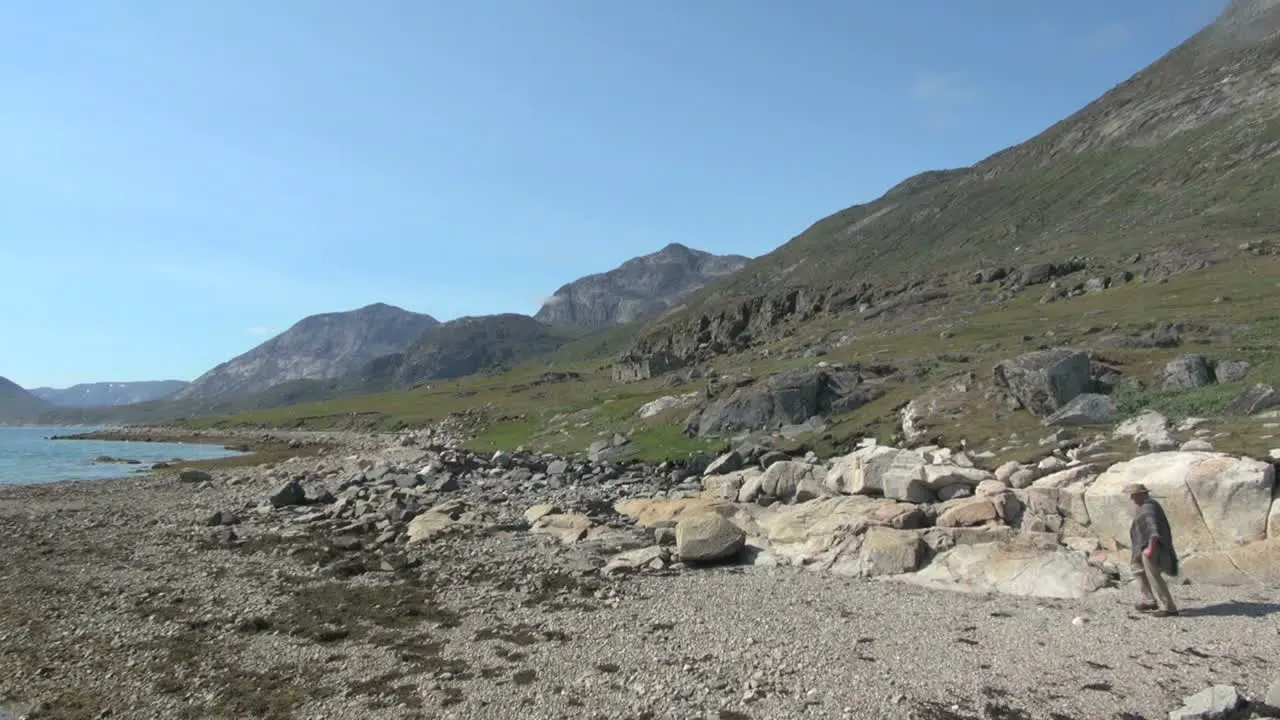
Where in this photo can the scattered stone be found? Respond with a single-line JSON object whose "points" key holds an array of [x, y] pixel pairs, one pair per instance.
{"points": [[725, 464], [1254, 400], [290, 495], [1150, 431], [193, 475], [1213, 703], [1045, 380], [1086, 409], [1185, 373], [222, 517], [1230, 371]]}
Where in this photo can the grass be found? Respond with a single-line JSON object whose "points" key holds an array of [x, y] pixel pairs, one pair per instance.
{"points": [[569, 413]]}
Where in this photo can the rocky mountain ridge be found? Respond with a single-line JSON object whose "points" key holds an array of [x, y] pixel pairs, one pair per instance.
{"points": [[640, 287], [318, 347], [109, 394], [19, 406], [1172, 169]]}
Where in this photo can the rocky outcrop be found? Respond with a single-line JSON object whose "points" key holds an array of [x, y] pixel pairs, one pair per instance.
{"points": [[1254, 399], [638, 288], [1045, 380], [784, 399], [18, 405], [1014, 569], [331, 345]]}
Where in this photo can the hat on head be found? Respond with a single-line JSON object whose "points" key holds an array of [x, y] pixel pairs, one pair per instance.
{"points": [[1135, 489]]}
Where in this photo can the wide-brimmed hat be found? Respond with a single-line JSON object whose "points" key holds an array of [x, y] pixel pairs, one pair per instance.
{"points": [[1136, 489]]}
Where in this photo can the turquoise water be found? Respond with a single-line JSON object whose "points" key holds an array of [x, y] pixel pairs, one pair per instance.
{"points": [[27, 455]]}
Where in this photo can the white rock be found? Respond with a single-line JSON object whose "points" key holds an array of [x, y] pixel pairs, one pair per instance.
{"points": [[1213, 501], [1012, 569], [1150, 431], [1196, 446]]}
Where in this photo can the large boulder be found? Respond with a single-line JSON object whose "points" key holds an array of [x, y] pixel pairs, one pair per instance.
{"points": [[827, 531], [1213, 501], [791, 481], [1086, 409], [1012, 568], [886, 551], [1229, 371], [568, 528], [1257, 563], [649, 512], [785, 399], [880, 470], [1254, 399], [1185, 373], [1045, 380], [1150, 431], [708, 537]]}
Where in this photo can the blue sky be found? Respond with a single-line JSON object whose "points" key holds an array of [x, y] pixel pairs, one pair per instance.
{"points": [[179, 180]]}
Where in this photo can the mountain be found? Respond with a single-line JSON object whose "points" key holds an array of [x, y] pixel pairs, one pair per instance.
{"points": [[639, 287], [1177, 166], [462, 347], [18, 405], [109, 394], [318, 347]]}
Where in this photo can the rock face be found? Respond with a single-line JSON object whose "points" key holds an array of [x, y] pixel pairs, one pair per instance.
{"points": [[325, 346], [18, 405], [1045, 380], [109, 394], [1086, 409], [785, 399], [1013, 569], [1213, 501], [1254, 399], [462, 347], [1186, 373], [638, 288]]}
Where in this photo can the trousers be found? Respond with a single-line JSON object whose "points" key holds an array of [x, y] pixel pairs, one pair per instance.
{"points": [[1150, 578]]}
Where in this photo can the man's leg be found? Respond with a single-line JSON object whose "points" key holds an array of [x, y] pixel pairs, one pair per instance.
{"points": [[1146, 601], [1154, 580]]}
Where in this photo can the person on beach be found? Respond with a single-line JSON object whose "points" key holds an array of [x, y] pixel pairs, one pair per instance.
{"points": [[1153, 555]]}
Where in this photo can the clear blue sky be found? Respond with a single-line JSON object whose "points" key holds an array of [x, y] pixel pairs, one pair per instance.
{"points": [[178, 180]]}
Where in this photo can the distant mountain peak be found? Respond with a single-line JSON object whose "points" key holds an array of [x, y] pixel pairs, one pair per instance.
{"points": [[317, 347], [109, 394], [639, 287]]}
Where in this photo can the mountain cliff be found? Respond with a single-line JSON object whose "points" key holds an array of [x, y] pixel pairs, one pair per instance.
{"points": [[318, 347], [109, 394], [1175, 167], [18, 405], [462, 347], [638, 288]]}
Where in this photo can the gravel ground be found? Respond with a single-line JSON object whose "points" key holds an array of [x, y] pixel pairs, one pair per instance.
{"points": [[114, 602]]}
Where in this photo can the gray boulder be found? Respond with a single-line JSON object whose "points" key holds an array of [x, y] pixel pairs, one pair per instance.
{"points": [[1185, 373], [1229, 371], [289, 495], [1254, 399], [192, 475], [1086, 409], [785, 399], [1213, 703], [708, 537], [1045, 380]]}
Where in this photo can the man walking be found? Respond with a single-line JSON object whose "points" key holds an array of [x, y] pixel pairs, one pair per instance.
{"points": [[1153, 555]]}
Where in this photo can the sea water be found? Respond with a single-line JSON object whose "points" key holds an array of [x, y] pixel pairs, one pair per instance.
{"points": [[27, 455]]}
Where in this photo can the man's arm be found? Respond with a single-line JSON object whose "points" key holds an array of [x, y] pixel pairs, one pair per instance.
{"points": [[1152, 545], [1147, 521]]}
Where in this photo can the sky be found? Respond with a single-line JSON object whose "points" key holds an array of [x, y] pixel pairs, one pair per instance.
{"points": [[181, 180]]}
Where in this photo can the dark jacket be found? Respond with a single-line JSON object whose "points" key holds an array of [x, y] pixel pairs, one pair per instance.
{"points": [[1148, 522]]}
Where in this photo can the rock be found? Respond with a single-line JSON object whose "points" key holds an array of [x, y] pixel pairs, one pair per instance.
{"points": [[1213, 501], [568, 528], [785, 399], [222, 517], [791, 481], [193, 475], [537, 512], [406, 480], [1272, 700], [1078, 475], [1254, 564], [429, 525], [1014, 569], [1005, 472], [1196, 446], [886, 551], [1230, 371], [1254, 399], [879, 470], [663, 404], [445, 483], [347, 543], [969, 513], [1150, 431], [1086, 409], [1213, 703], [751, 487], [557, 467], [725, 464], [1023, 478], [290, 495], [651, 511], [633, 559], [725, 487], [1045, 380], [955, 492], [1185, 373], [708, 537], [771, 457]]}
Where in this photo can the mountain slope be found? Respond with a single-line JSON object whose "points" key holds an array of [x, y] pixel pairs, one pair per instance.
{"points": [[18, 405], [462, 347], [1177, 165], [109, 394], [638, 288], [324, 346]]}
